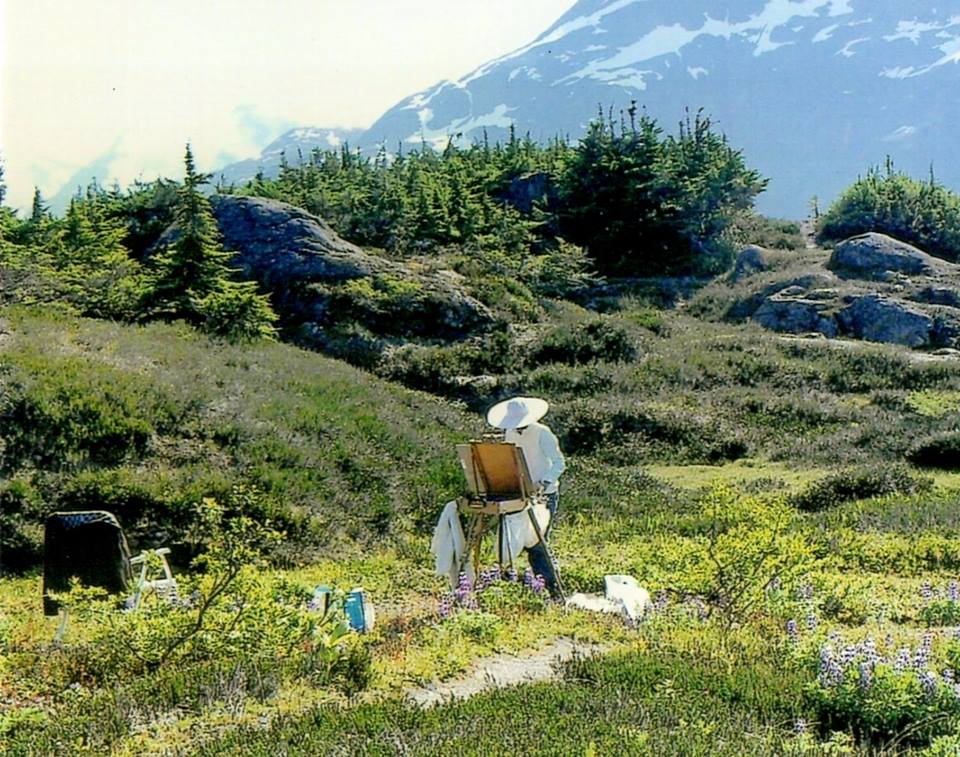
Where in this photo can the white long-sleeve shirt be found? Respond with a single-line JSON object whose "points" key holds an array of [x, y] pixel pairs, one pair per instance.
{"points": [[542, 452]]}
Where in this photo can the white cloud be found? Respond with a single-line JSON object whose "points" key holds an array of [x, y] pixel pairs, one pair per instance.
{"points": [[898, 135]]}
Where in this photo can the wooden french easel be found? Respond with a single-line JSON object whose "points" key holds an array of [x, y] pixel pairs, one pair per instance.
{"points": [[500, 484]]}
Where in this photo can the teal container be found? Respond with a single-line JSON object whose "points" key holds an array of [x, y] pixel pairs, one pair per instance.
{"points": [[359, 611]]}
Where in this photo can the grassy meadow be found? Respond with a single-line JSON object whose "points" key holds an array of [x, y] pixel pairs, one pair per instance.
{"points": [[789, 503]]}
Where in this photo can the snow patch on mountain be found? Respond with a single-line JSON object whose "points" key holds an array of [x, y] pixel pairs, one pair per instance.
{"points": [[914, 30], [847, 50], [671, 39], [438, 137], [826, 33]]}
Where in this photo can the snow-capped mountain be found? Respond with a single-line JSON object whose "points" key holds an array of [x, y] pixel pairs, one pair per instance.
{"points": [[814, 91]]}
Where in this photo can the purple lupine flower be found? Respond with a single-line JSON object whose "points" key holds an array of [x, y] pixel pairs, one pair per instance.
{"points": [[445, 606], [953, 592], [792, 631], [948, 677], [800, 726], [926, 592], [888, 640], [830, 672], [539, 584], [528, 578], [512, 575], [812, 622], [805, 591], [833, 637], [866, 676], [869, 650], [902, 661], [495, 574], [929, 683], [848, 655], [921, 658]]}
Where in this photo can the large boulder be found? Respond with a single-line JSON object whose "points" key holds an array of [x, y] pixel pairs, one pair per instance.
{"points": [[881, 319], [752, 259], [529, 189], [319, 281], [871, 255], [794, 310]]}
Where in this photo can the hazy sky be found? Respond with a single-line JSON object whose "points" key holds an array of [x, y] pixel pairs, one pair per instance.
{"points": [[86, 79]]}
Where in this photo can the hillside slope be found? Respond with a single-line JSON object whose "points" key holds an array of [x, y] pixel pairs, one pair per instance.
{"points": [[144, 421]]}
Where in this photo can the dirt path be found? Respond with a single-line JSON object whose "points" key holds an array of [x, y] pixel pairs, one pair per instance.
{"points": [[808, 228], [501, 671]]}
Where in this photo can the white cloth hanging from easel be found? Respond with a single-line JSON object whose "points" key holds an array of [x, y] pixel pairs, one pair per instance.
{"points": [[519, 533], [449, 545]]}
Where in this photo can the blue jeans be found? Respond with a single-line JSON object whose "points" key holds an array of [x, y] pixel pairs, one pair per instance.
{"points": [[540, 562]]}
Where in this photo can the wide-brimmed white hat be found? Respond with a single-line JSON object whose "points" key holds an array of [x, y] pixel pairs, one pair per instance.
{"points": [[517, 412]]}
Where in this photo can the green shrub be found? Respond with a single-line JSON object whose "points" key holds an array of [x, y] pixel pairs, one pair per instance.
{"points": [[63, 410], [599, 339], [562, 271], [590, 426], [940, 451], [646, 205], [21, 536], [438, 369], [859, 483], [577, 381], [923, 213], [236, 312]]}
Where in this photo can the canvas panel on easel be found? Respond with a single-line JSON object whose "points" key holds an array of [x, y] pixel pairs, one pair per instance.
{"points": [[495, 470]]}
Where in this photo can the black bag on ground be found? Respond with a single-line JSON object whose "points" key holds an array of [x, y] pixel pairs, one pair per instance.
{"points": [[87, 545]]}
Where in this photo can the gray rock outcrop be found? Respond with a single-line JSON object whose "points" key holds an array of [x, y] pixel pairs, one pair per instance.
{"points": [[319, 281], [796, 311], [877, 318], [870, 287], [752, 259], [874, 254]]}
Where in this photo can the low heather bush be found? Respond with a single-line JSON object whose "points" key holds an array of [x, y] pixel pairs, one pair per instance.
{"points": [[940, 451], [859, 483], [600, 339]]}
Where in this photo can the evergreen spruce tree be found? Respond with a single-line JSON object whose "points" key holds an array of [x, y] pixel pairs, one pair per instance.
{"points": [[192, 279], [99, 275]]}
